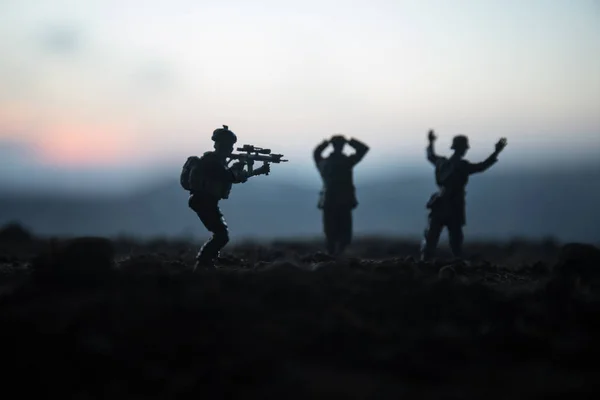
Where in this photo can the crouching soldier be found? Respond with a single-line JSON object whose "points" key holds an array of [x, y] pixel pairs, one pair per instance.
{"points": [[447, 206], [209, 179]]}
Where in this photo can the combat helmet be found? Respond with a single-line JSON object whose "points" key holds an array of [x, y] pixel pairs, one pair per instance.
{"points": [[460, 142], [224, 135]]}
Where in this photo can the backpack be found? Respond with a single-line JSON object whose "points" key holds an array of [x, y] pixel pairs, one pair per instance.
{"points": [[184, 178]]}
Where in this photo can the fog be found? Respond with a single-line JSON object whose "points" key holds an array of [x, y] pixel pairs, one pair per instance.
{"points": [[558, 203]]}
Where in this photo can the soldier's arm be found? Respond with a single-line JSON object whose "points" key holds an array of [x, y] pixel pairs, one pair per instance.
{"points": [[474, 168], [491, 160], [360, 148], [431, 156], [239, 177], [318, 152], [238, 173], [214, 170]]}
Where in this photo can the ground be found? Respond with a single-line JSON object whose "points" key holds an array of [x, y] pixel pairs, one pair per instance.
{"points": [[92, 318]]}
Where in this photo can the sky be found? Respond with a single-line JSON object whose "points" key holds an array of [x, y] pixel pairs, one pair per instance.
{"points": [[95, 93]]}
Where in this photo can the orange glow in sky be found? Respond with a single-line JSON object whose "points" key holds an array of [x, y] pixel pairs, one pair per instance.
{"points": [[13, 119], [83, 146]]}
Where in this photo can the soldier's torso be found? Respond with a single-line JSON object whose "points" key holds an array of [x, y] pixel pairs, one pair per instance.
{"points": [[338, 182], [452, 177], [208, 177], [449, 203], [336, 171]]}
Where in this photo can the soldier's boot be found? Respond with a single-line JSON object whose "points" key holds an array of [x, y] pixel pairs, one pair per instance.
{"points": [[203, 264], [456, 238], [341, 246], [336, 249], [204, 260], [427, 248], [426, 251], [430, 240], [210, 251], [331, 246]]}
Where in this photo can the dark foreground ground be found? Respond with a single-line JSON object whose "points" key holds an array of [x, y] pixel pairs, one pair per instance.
{"points": [[95, 319]]}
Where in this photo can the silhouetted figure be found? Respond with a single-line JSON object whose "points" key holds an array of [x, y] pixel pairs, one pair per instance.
{"points": [[209, 180], [338, 196], [447, 205]]}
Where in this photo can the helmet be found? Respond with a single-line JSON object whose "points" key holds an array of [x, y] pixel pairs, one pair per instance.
{"points": [[224, 135], [460, 142]]}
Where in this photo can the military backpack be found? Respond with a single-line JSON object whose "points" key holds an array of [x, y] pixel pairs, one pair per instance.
{"points": [[184, 178]]}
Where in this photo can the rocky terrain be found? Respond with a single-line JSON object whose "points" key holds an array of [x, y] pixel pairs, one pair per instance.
{"points": [[89, 318]]}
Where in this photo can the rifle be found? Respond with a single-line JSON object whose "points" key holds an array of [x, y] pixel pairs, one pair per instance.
{"points": [[252, 153]]}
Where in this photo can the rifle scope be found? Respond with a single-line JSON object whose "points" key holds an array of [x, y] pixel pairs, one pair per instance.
{"points": [[251, 149]]}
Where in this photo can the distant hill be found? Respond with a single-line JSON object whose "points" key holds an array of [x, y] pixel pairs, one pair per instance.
{"points": [[562, 204]]}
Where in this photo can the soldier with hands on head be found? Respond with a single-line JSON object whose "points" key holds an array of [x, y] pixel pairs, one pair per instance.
{"points": [[447, 205], [209, 179], [338, 195]]}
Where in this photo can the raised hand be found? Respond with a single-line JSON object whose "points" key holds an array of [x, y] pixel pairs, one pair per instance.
{"points": [[500, 145], [431, 136], [323, 144]]}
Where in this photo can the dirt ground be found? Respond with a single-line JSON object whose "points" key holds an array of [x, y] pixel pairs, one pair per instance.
{"points": [[92, 318]]}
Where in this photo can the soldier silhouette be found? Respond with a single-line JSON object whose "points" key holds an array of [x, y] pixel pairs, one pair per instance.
{"points": [[338, 196], [209, 179], [447, 205]]}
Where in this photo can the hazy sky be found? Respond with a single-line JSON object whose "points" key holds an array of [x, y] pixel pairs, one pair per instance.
{"points": [[126, 84]]}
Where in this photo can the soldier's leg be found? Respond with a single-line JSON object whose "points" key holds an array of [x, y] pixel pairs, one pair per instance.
{"points": [[213, 220], [329, 227], [456, 238], [431, 237], [345, 226]]}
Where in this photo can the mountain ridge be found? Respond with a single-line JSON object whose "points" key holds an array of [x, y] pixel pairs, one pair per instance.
{"points": [[500, 205]]}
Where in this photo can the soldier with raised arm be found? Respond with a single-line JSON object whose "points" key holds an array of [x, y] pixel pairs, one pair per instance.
{"points": [[209, 179], [338, 195], [447, 205]]}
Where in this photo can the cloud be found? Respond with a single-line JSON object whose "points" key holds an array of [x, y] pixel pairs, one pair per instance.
{"points": [[61, 40]]}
